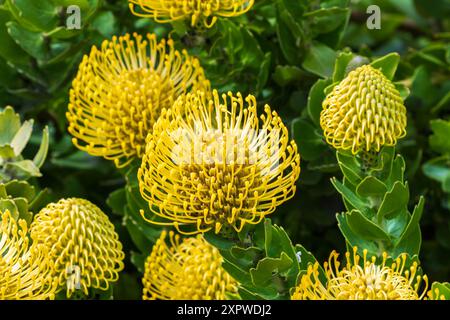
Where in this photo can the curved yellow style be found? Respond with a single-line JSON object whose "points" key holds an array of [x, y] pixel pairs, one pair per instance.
{"points": [[25, 271]]}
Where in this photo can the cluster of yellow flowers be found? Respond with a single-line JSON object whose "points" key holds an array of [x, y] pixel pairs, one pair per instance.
{"points": [[208, 162], [73, 246], [138, 98]]}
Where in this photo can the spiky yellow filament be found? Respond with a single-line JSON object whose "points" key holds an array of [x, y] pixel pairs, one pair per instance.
{"points": [[363, 112], [25, 271], [203, 12], [120, 90], [186, 269], [211, 163], [361, 280]]}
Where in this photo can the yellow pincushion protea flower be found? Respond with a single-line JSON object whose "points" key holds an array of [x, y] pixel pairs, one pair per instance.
{"points": [[120, 90], [363, 112], [211, 163], [188, 269], [366, 281], [82, 243], [25, 271], [199, 11]]}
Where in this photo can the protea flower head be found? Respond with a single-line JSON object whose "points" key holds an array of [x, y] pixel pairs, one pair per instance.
{"points": [[120, 90], [363, 112], [25, 270], [185, 269], [202, 12], [212, 162], [82, 243], [362, 280]]}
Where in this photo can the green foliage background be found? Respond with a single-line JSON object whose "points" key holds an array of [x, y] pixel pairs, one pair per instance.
{"points": [[286, 52]]}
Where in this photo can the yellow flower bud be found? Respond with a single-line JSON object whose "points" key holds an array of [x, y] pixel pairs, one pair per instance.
{"points": [[363, 112], [82, 243]]}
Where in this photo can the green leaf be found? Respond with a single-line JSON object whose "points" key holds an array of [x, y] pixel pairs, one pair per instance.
{"points": [[445, 101], [22, 208], [387, 64], [41, 155], [7, 152], [351, 198], [41, 200], [9, 125], [18, 188], [269, 267], [315, 98], [325, 20], [363, 227], [248, 295], [439, 140], [421, 85], [251, 54], [440, 291], [35, 16], [397, 172], [289, 43], [78, 160], [117, 201], [219, 242], [22, 137], [10, 205], [143, 243], [106, 24], [263, 74], [297, 8], [138, 260], [320, 60], [340, 68], [306, 258], [31, 42], [237, 272], [267, 235], [285, 75], [350, 167], [371, 187], [23, 169], [356, 240], [413, 225], [402, 89], [394, 201], [9, 50], [310, 144], [438, 169]]}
